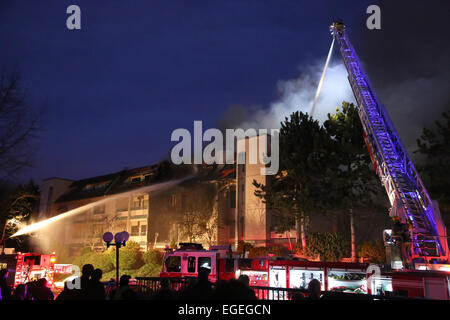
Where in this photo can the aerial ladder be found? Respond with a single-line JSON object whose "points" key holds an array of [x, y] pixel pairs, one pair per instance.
{"points": [[411, 207]]}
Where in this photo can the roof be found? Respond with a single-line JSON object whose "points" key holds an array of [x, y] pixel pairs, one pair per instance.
{"points": [[120, 181], [107, 184]]}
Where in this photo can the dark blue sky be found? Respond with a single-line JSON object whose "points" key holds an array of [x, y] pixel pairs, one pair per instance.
{"points": [[114, 91]]}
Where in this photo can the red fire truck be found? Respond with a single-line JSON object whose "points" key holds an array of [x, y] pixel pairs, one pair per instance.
{"points": [[33, 266], [334, 276]]}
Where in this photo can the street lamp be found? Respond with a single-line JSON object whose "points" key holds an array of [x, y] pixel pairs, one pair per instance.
{"points": [[120, 239]]}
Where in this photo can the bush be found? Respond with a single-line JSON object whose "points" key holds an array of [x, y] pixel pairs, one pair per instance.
{"points": [[153, 257], [102, 261], [330, 246], [130, 256], [86, 256], [373, 250], [277, 251], [148, 270]]}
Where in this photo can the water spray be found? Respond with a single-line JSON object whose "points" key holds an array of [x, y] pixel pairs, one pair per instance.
{"points": [[44, 223], [319, 87]]}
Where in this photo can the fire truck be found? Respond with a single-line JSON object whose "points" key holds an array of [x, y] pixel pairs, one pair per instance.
{"points": [[296, 274], [34, 266], [26, 267]]}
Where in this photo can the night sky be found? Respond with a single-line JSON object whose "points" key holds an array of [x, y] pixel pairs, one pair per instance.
{"points": [[112, 92]]}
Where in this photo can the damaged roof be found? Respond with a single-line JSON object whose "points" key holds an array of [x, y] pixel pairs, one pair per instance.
{"points": [[129, 179]]}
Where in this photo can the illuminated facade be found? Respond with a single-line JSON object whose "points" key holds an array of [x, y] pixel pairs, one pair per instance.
{"points": [[153, 219]]}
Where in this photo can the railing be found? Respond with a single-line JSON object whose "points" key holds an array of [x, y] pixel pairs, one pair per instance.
{"points": [[272, 293], [149, 285], [152, 284]]}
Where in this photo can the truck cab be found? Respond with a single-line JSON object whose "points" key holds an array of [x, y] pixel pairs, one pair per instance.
{"points": [[188, 259]]}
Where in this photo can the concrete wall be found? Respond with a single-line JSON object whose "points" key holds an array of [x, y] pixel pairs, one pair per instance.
{"points": [[254, 220]]}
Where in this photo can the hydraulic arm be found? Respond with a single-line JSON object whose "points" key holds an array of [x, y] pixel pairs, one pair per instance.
{"points": [[411, 204]]}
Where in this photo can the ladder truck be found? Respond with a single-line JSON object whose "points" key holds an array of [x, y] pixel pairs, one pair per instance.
{"points": [[420, 236]]}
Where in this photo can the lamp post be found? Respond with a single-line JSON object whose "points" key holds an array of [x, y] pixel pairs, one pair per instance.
{"points": [[120, 239]]}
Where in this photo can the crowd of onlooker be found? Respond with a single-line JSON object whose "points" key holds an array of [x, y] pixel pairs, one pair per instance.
{"points": [[89, 287], [34, 290]]}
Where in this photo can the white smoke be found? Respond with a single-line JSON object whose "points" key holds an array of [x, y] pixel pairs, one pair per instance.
{"points": [[298, 95]]}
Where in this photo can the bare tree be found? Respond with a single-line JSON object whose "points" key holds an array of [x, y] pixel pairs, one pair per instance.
{"points": [[18, 126], [198, 219]]}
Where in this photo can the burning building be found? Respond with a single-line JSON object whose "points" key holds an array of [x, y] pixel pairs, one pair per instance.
{"points": [[199, 209], [205, 207], [210, 204]]}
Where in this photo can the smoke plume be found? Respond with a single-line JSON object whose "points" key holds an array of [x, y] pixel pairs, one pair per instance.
{"points": [[295, 95]]}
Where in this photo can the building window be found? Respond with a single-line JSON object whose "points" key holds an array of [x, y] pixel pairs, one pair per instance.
{"points": [[143, 230], [191, 264], [173, 264], [97, 186], [99, 209], [134, 231], [136, 180], [204, 262], [140, 203]]}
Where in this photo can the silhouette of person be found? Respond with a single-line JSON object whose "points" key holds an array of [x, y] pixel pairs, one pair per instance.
{"points": [[244, 279], [84, 281], [19, 293], [4, 287], [123, 292], [234, 290], [86, 274], [42, 292], [166, 292], [314, 288], [67, 294], [201, 290], [96, 288], [31, 287]]}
